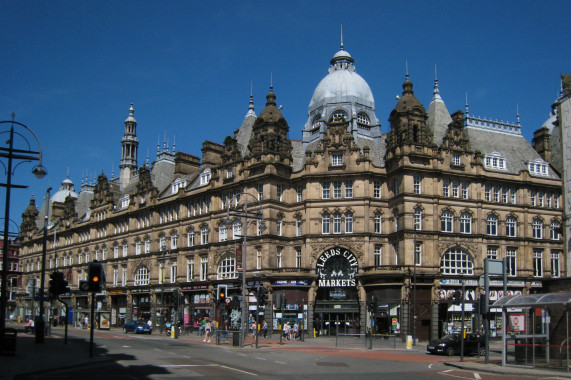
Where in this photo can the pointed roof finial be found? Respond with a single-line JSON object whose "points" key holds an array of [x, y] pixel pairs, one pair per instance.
{"points": [[436, 92], [467, 110], [342, 47], [271, 81], [517, 115], [406, 75], [251, 105]]}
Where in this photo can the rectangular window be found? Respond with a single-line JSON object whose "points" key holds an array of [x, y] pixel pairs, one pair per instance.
{"points": [[124, 276], [337, 159], [189, 269], [511, 258], [378, 255], [555, 269], [299, 193], [456, 159], [349, 188], [418, 254], [260, 192], [492, 253], [465, 190], [173, 274], [445, 188], [203, 268], [417, 184], [513, 196], [540, 198], [325, 220], [533, 197], [378, 224], [505, 194], [349, 223], [279, 257], [396, 250], [279, 223], [325, 190], [204, 235], [377, 189], [115, 276], [298, 257], [548, 200], [538, 263], [115, 252], [336, 223], [280, 192], [336, 189], [397, 186], [488, 192], [455, 189], [298, 226], [258, 258], [496, 193]]}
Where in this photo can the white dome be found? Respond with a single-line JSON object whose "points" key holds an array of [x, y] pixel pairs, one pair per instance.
{"points": [[66, 189], [340, 86], [549, 122]]}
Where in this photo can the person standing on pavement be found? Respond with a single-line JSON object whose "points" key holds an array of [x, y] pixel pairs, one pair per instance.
{"points": [[295, 332], [206, 330], [265, 329]]}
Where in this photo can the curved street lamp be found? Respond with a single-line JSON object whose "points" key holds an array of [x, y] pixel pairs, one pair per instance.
{"points": [[259, 218], [24, 155]]}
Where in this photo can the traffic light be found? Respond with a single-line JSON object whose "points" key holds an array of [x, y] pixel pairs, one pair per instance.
{"points": [[95, 276], [373, 305], [222, 293], [58, 284], [262, 296], [457, 297]]}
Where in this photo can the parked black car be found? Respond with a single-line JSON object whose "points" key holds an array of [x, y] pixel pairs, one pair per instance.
{"points": [[450, 345]]}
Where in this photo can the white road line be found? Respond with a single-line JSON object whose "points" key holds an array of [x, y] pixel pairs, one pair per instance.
{"points": [[280, 362], [238, 370], [207, 365], [242, 354], [186, 357], [126, 346], [430, 366], [477, 376], [260, 358], [157, 349]]}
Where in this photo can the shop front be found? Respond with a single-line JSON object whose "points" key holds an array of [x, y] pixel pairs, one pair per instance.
{"points": [[141, 304], [118, 310], [336, 309], [290, 303]]}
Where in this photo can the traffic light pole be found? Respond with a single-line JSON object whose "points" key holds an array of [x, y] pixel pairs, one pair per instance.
{"points": [[92, 324]]}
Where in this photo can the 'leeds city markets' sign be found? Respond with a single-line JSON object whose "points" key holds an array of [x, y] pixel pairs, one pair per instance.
{"points": [[337, 267]]}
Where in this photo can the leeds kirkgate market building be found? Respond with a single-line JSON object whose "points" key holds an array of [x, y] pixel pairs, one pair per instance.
{"points": [[345, 216]]}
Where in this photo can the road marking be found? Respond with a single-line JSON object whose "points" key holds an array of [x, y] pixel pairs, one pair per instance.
{"points": [[157, 349], [207, 365], [242, 354], [186, 357], [430, 366], [257, 357], [477, 376], [126, 346], [280, 362]]}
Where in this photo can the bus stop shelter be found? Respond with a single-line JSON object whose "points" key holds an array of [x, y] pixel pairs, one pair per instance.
{"points": [[536, 330]]}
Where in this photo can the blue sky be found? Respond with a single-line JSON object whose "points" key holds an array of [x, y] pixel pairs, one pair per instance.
{"points": [[70, 69]]}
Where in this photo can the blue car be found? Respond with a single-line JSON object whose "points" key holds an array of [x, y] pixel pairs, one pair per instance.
{"points": [[138, 327]]}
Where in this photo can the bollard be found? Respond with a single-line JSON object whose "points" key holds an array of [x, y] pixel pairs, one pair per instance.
{"points": [[409, 342]]}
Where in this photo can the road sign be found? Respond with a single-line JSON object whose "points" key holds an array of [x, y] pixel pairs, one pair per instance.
{"points": [[228, 301]]}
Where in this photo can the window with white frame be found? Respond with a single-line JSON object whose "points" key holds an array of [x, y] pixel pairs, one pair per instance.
{"points": [[237, 227], [538, 168], [115, 251], [513, 195], [554, 230], [537, 229], [418, 253], [456, 189], [505, 194], [445, 188], [533, 198], [125, 249], [227, 268], [298, 257], [548, 200], [349, 188], [492, 253], [537, 263], [336, 189], [280, 190], [377, 189], [205, 177], [541, 199], [396, 220], [223, 232], [259, 224], [511, 261], [495, 161], [325, 221], [162, 242], [124, 276], [396, 251], [456, 159], [142, 276], [337, 223], [190, 237], [138, 246], [299, 193], [279, 224], [492, 225], [260, 192], [279, 256], [203, 268], [417, 219], [447, 221], [511, 226], [378, 222], [378, 255], [298, 226], [465, 223], [204, 235], [417, 185], [115, 276], [337, 159], [103, 255], [147, 246], [555, 264], [349, 223], [556, 200], [325, 190], [189, 269], [456, 261], [174, 240], [465, 190], [258, 258]]}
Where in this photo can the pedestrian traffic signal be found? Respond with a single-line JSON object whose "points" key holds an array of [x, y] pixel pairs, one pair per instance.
{"points": [[95, 276], [457, 297], [222, 293], [373, 305], [262, 296]]}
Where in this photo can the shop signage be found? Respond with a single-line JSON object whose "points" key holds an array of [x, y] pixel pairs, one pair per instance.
{"points": [[291, 282], [457, 281], [140, 290], [337, 268], [536, 283], [195, 287]]}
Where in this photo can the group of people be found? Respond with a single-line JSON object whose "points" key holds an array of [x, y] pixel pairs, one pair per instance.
{"points": [[291, 332], [263, 328]]}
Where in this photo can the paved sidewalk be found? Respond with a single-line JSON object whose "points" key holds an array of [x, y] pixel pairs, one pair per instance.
{"points": [[34, 359]]}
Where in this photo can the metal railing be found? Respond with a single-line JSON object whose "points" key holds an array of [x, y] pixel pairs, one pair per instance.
{"points": [[370, 341]]}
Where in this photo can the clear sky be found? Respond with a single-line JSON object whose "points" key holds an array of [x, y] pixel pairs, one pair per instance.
{"points": [[70, 69]]}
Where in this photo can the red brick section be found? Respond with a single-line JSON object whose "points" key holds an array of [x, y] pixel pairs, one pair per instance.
{"points": [[394, 356]]}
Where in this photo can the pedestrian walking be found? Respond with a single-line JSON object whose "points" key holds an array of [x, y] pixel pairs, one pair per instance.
{"points": [[206, 330], [265, 329]]}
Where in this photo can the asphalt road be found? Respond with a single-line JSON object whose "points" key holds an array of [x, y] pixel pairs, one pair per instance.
{"points": [[157, 357]]}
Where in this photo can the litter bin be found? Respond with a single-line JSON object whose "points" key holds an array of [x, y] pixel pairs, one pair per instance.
{"points": [[236, 339], [8, 342]]}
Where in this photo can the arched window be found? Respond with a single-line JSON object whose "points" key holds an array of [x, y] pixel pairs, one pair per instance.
{"points": [[227, 268], [337, 223], [204, 235], [315, 123], [492, 225], [465, 223], [349, 223], [205, 177], [554, 230], [456, 261], [511, 226], [142, 276], [447, 221], [339, 115], [190, 238], [363, 119]]}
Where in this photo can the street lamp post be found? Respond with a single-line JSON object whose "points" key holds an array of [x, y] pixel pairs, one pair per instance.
{"points": [[40, 322], [414, 291], [12, 153], [259, 217]]}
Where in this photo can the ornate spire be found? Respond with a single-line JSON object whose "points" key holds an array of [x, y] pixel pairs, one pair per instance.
{"points": [[251, 111], [342, 47], [436, 93], [467, 110]]}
